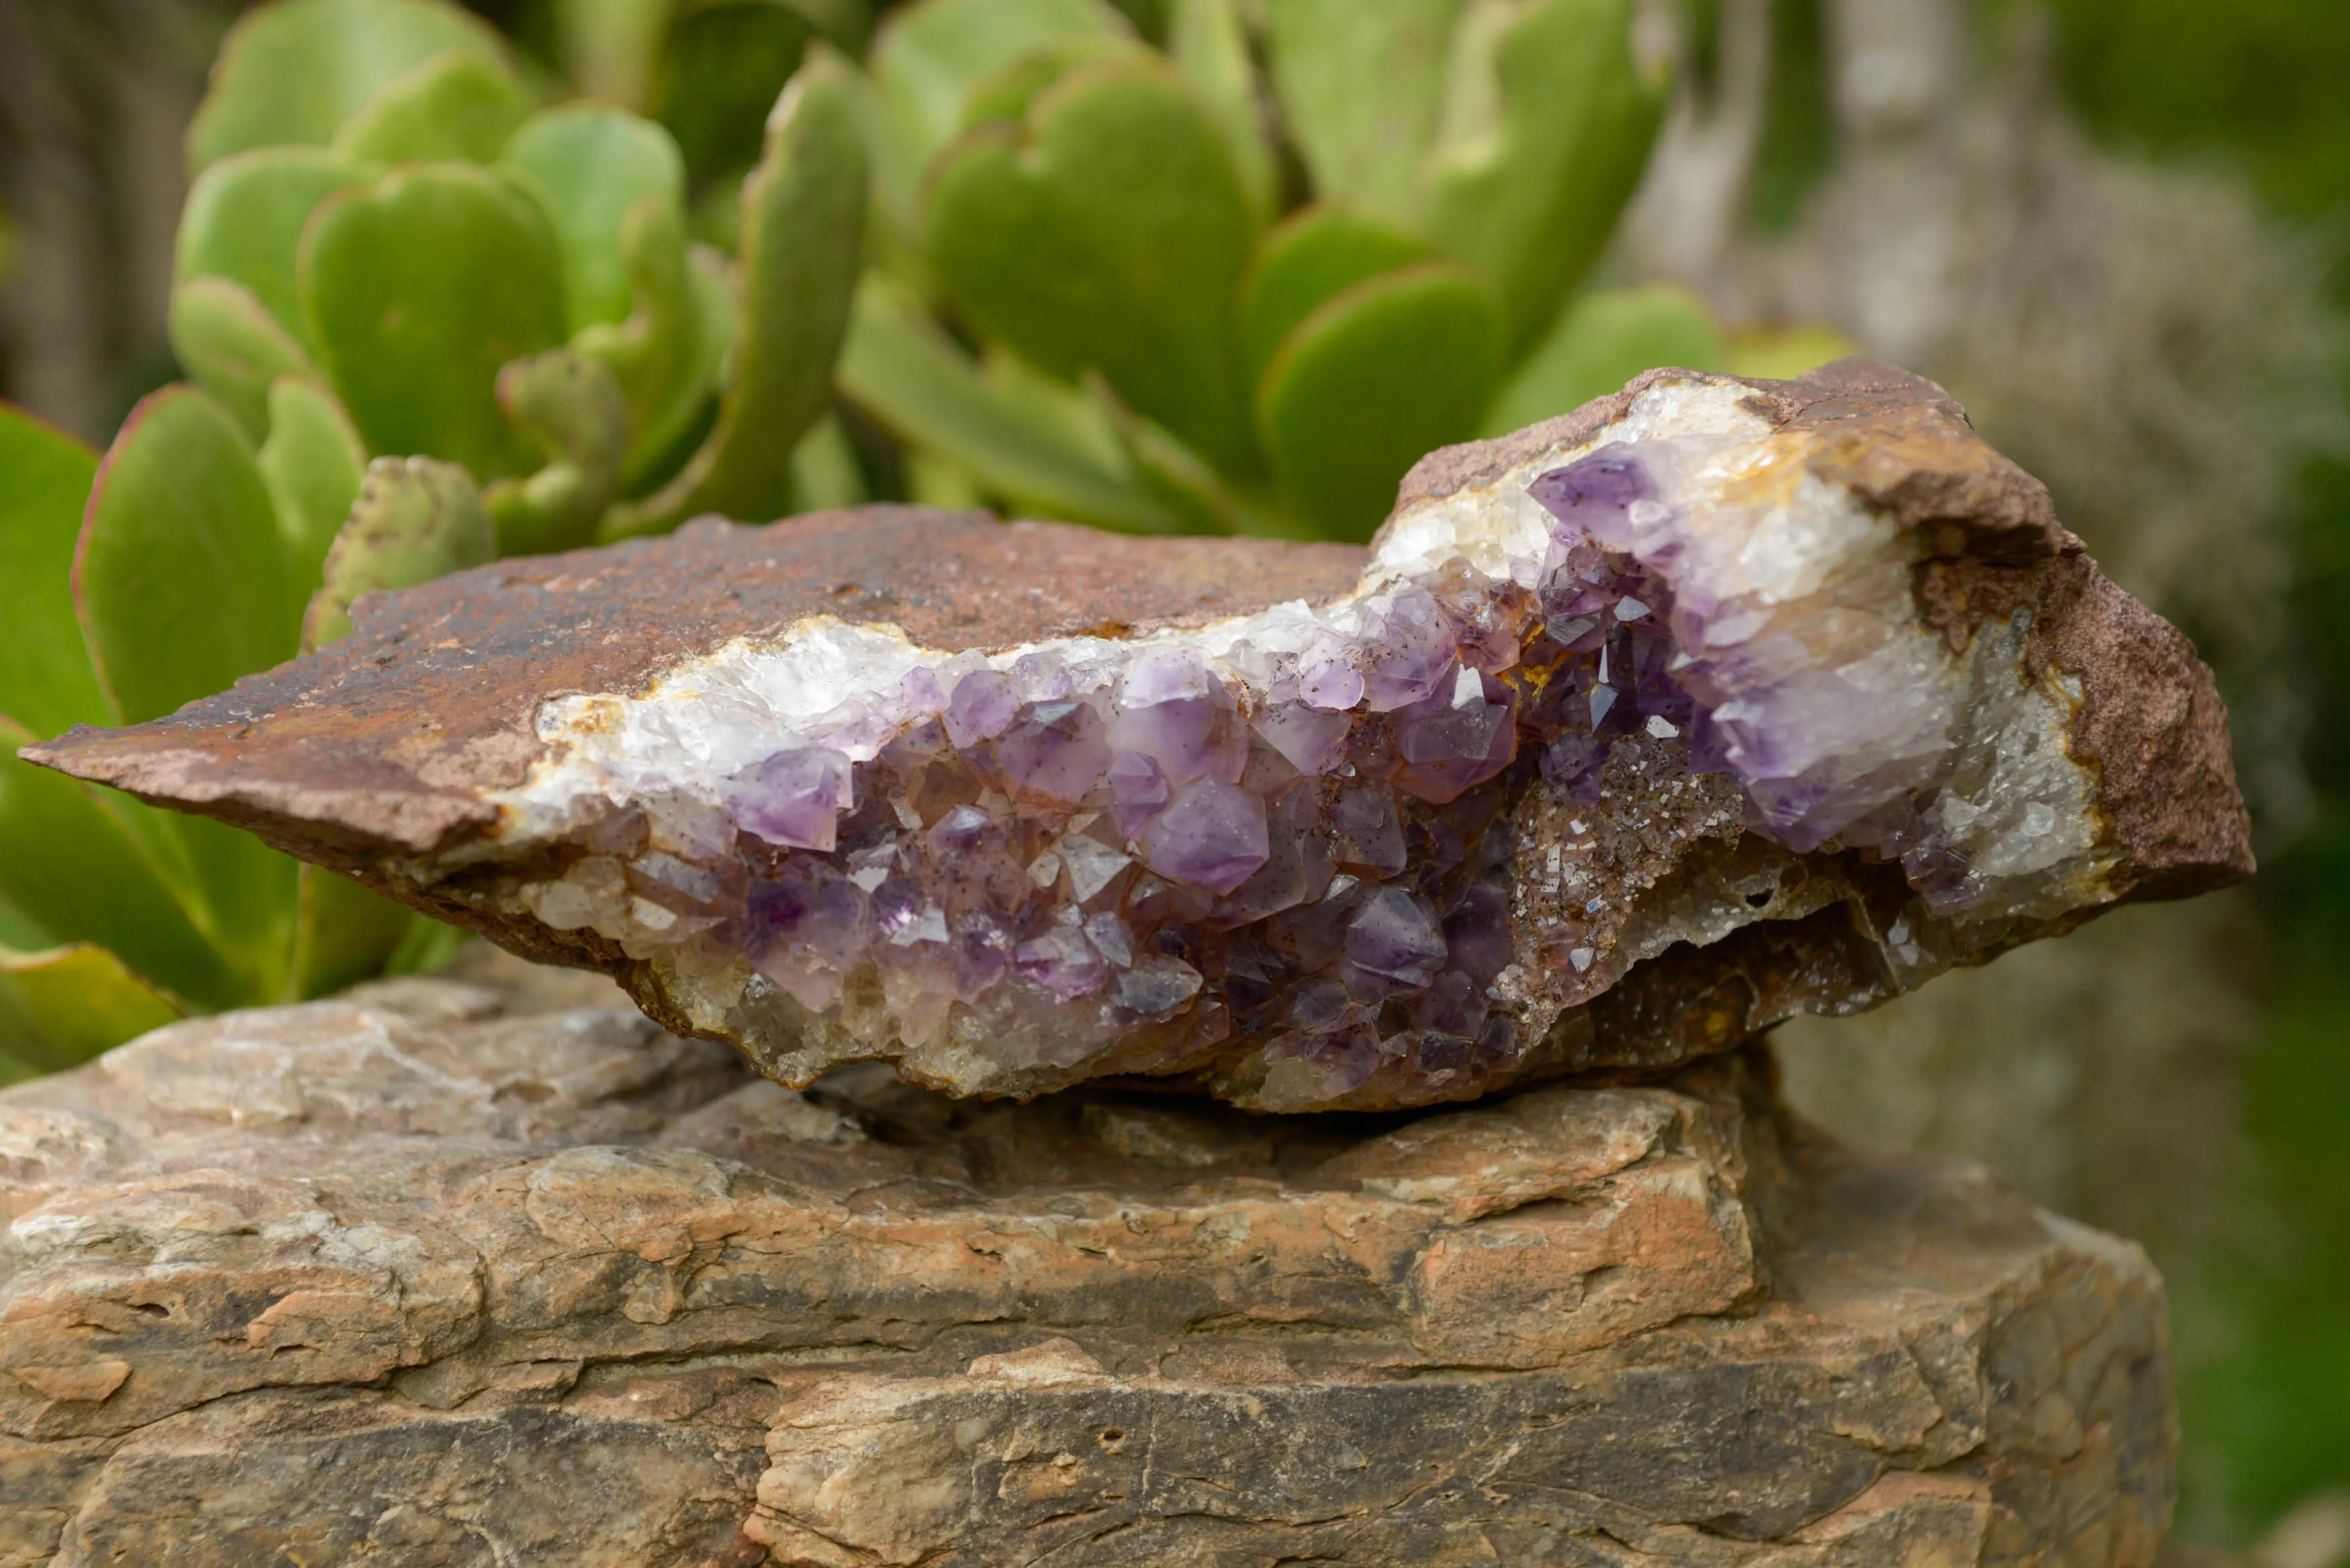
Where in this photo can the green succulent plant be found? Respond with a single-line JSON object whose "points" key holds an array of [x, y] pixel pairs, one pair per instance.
{"points": [[428, 318], [1243, 277]]}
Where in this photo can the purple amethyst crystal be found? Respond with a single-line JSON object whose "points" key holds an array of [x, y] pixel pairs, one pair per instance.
{"points": [[794, 798], [1212, 835], [981, 704], [1309, 739], [1173, 711], [1136, 790], [1055, 750], [1411, 656], [1393, 944], [1063, 961], [1594, 494], [1452, 740]]}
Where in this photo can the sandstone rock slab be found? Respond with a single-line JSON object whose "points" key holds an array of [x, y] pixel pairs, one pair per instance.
{"points": [[1712, 703], [426, 1276]]}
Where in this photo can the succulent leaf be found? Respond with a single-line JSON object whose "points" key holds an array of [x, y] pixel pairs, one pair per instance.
{"points": [[572, 407], [45, 680], [88, 867], [930, 55], [181, 586], [1310, 257], [312, 464], [456, 105], [1775, 353], [608, 46], [416, 519], [1547, 127], [20, 931], [595, 165], [244, 222], [91, 866], [1361, 87], [343, 933], [1603, 340], [825, 475], [62, 1006], [719, 68], [802, 230], [1108, 231], [1378, 374], [901, 368], [416, 292], [1210, 45], [232, 348], [294, 71], [669, 353], [180, 576]]}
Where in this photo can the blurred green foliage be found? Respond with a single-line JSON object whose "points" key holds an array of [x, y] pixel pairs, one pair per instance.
{"points": [[429, 315], [1198, 265], [2259, 86]]}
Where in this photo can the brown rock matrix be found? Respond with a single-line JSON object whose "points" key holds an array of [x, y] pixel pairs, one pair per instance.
{"points": [[1633, 733], [436, 1276]]}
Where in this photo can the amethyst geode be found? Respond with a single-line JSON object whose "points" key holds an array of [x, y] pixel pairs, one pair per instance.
{"points": [[1633, 733]]}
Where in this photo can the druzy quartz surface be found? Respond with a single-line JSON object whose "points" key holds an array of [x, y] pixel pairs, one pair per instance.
{"points": [[1633, 734]]}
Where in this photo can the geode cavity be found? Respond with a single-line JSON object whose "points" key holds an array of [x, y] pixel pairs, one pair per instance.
{"points": [[1712, 702]]}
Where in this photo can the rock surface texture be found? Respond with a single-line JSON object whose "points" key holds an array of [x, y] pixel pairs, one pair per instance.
{"points": [[443, 1274], [1633, 733]]}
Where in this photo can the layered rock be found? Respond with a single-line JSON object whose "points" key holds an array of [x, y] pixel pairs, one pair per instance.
{"points": [[1714, 702], [420, 1276]]}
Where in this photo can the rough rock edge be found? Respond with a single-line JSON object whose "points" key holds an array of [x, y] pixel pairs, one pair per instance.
{"points": [[1930, 1371]]}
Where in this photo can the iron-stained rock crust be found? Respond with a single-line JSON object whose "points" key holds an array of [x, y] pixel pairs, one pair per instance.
{"points": [[381, 741], [391, 743]]}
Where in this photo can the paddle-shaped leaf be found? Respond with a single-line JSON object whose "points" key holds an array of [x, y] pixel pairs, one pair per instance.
{"points": [[1210, 45], [1312, 255], [1776, 353], [70, 859], [344, 933], [1547, 129], [60, 1007], [901, 368], [571, 405], [244, 219], [803, 231], [720, 69], [415, 520], [595, 165], [105, 870], [416, 292], [181, 584], [232, 348], [1368, 383], [181, 574], [667, 355], [46, 680], [458, 104], [930, 55], [1603, 340], [294, 71], [1360, 87], [312, 464], [1108, 231]]}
